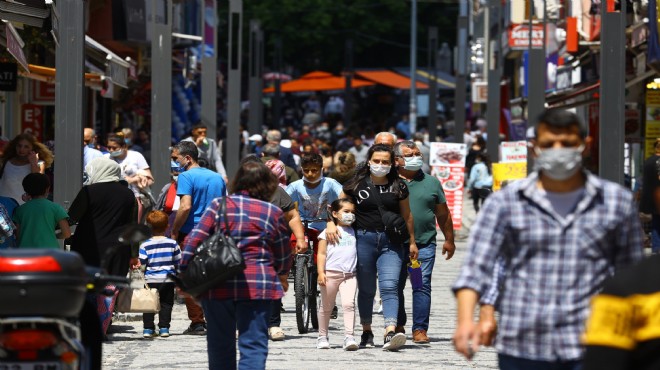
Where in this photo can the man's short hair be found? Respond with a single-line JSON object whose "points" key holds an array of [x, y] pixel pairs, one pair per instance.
{"points": [[158, 221], [198, 125], [36, 184], [271, 150], [273, 135], [559, 118], [406, 143], [311, 159], [385, 133], [187, 148]]}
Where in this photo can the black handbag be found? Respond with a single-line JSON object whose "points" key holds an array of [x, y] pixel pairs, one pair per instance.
{"points": [[215, 260], [395, 226]]}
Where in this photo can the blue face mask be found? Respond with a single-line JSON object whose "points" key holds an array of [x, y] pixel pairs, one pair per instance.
{"points": [[174, 167], [413, 163]]}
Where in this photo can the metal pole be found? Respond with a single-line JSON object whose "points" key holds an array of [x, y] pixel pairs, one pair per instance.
{"points": [[348, 91], [494, 77], [277, 99], [69, 95], [256, 85], [209, 67], [461, 71], [161, 94], [433, 85], [413, 67], [535, 82], [612, 92], [234, 86]]}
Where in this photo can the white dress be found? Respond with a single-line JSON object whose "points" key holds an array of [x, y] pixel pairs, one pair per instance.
{"points": [[11, 182]]}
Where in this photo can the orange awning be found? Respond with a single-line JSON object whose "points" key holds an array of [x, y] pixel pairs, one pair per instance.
{"points": [[47, 74], [391, 79], [318, 81]]}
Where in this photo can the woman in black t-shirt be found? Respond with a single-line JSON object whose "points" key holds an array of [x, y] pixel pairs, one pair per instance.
{"points": [[377, 256]]}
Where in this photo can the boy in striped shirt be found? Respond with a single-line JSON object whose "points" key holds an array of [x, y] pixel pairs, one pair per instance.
{"points": [[160, 256]]}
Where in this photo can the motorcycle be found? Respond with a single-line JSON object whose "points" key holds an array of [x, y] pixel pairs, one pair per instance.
{"points": [[45, 295]]}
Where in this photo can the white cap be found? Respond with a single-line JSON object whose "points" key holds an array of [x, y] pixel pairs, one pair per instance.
{"points": [[256, 137], [285, 143]]}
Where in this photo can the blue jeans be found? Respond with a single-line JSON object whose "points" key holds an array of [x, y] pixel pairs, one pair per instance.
{"points": [[655, 233], [250, 317], [517, 363], [422, 296], [377, 257]]}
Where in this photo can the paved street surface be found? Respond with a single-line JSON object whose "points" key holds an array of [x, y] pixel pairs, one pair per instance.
{"points": [[127, 349]]}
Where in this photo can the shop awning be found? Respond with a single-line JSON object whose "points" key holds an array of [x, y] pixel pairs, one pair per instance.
{"points": [[444, 80], [47, 74], [318, 81], [116, 68], [390, 79]]}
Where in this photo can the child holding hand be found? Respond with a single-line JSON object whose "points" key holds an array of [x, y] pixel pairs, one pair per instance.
{"points": [[336, 267]]}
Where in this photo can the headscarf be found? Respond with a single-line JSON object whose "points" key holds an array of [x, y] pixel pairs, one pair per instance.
{"points": [[277, 168], [102, 169]]}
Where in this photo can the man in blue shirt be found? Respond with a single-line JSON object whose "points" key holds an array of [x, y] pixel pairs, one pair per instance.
{"points": [[197, 187]]}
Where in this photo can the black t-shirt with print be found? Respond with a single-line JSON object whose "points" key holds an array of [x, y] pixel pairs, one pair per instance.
{"points": [[366, 210]]}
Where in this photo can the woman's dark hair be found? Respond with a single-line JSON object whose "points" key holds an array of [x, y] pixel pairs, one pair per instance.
{"points": [[311, 159], [485, 158], [36, 184], [337, 204], [256, 180], [363, 170], [117, 139]]}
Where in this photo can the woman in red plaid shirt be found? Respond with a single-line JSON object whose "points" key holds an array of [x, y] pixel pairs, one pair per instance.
{"points": [[244, 301]]}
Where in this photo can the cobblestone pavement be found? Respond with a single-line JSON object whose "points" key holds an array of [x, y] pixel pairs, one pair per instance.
{"points": [[127, 350]]}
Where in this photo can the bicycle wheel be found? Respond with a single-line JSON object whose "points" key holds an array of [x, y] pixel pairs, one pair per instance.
{"points": [[313, 297], [301, 290]]}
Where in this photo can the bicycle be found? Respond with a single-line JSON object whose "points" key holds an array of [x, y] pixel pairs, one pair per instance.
{"points": [[304, 283]]}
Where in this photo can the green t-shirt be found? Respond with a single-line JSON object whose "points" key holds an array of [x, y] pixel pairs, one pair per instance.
{"points": [[425, 193], [37, 220]]}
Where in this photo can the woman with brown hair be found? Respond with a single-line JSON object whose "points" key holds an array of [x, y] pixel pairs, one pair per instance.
{"points": [[22, 156], [244, 301], [344, 168]]}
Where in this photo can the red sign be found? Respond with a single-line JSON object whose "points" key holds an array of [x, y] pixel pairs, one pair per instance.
{"points": [[519, 36], [32, 120], [43, 92]]}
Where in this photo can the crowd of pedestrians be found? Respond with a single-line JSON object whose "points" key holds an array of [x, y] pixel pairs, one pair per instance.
{"points": [[538, 251]]}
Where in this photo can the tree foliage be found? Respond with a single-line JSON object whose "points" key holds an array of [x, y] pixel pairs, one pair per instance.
{"points": [[314, 32]]}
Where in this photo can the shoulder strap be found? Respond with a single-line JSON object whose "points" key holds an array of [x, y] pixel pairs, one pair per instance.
{"points": [[376, 194], [223, 208]]}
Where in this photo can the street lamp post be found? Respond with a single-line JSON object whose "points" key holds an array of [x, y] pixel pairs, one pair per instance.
{"points": [[232, 141], [209, 67], [256, 72], [461, 71], [413, 67]]}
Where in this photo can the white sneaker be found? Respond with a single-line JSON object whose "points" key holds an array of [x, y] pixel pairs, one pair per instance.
{"points": [[350, 344], [276, 334], [322, 343]]}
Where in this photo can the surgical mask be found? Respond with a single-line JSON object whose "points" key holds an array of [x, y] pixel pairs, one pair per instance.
{"points": [[413, 163], [312, 182], [175, 178], [128, 142], [91, 145], [559, 163], [117, 153], [182, 167], [347, 218], [379, 170]]}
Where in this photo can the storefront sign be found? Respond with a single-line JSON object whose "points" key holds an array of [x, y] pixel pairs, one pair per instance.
{"points": [[519, 36], [32, 120], [504, 173], [479, 92], [652, 119], [513, 151], [8, 76], [447, 162], [564, 80], [42, 93], [15, 46]]}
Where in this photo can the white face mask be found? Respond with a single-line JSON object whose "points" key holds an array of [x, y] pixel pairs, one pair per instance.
{"points": [[313, 182], [347, 218], [559, 163], [117, 153], [379, 170], [413, 163]]}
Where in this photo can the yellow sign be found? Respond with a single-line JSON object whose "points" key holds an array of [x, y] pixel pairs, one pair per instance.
{"points": [[508, 172], [649, 149]]}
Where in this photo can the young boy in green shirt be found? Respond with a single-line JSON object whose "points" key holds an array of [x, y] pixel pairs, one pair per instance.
{"points": [[37, 218]]}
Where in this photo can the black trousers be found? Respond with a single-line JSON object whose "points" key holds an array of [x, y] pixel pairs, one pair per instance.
{"points": [[166, 293], [478, 197], [275, 318]]}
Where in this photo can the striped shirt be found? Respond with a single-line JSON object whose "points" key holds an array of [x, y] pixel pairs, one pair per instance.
{"points": [[161, 256], [261, 234], [554, 265]]}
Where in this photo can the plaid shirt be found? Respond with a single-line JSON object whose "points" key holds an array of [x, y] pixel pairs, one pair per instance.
{"points": [[554, 264], [262, 235]]}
